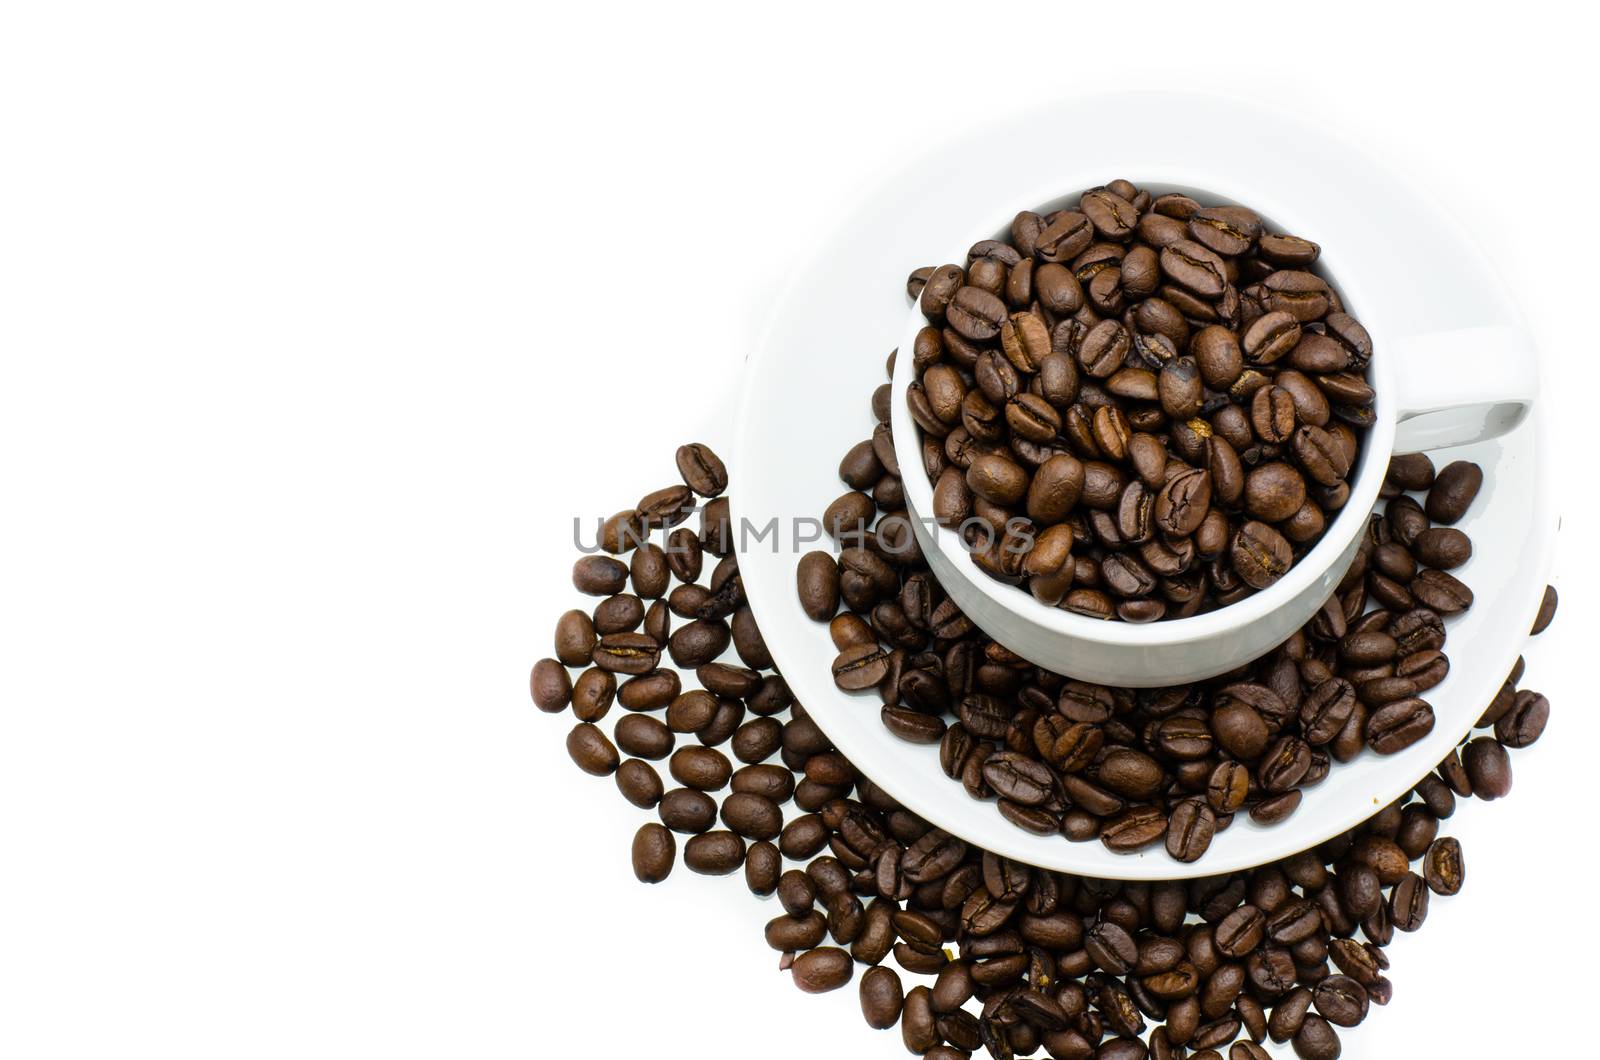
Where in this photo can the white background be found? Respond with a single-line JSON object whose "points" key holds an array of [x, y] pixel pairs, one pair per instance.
{"points": [[320, 321]]}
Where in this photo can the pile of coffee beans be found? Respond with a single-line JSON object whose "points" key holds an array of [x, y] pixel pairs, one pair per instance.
{"points": [[1141, 409], [1140, 767], [1004, 958]]}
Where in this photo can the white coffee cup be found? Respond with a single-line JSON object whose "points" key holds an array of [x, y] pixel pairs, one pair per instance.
{"points": [[1434, 390]]}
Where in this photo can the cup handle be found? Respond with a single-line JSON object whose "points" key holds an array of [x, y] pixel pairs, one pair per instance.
{"points": [[1461, 386]]}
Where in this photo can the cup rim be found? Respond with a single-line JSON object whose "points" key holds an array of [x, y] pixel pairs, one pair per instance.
{"points": [[1351, 520]]}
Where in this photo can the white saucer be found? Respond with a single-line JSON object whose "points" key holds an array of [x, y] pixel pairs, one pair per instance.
{"points": [[808, 385]]}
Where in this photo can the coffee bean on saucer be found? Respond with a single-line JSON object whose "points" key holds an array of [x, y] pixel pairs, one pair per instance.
{"points": [[1453, 492]]}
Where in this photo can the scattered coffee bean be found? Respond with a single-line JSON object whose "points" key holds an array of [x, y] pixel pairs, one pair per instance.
{"points": [[821, 970], [882, 997], [592, 751], [551, 686], [702, 470], [1489, 768], [639, 783], [1069, 966], [714, 853], [653, 852]]}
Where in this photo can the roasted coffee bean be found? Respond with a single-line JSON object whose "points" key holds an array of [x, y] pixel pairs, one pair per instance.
{"points": [[1547, 611], [1524, 722], [1019, 778], [619, 614], [1066, 236], [685, 555], [1276, 808], [623, 532], [818, 579], [976, 314], [816, 971], [1194, 267], [666, 507], [592, 751], [1441, 592], [752, 816], [1488, 767], [1111, 948], [747, 640], [654, 850], [1444, 548], [1397, 725], [757, 740], [861, 667], [1229, 230], [592, 695], [575, 639], [628, 653], [1134, 829], [1272, 414], [1443, 867], [599, 575], [1273, 492], [1453, 491], [639, 783], [1408, 903], [649, 691], [762, 865], [686, 810], [700, 768], [1341, 1000], [882, 997], [644, 737], [702, 470], [1112, 216], [732, 681], [797, 932], [1190, 830], [714, 853], [691, 711], [1260, 555], [1182, 502], [551, 686], [1326, 709], [1228, 787], [917, 1028]]}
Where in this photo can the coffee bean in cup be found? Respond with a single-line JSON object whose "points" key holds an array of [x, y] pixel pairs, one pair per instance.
{"points": [[1140, 407]]}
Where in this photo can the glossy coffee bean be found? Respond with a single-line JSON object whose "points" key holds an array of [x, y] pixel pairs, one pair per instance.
{"points": [[1453, 491], [1489, 768], [702, 470], [1444, 869]]}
